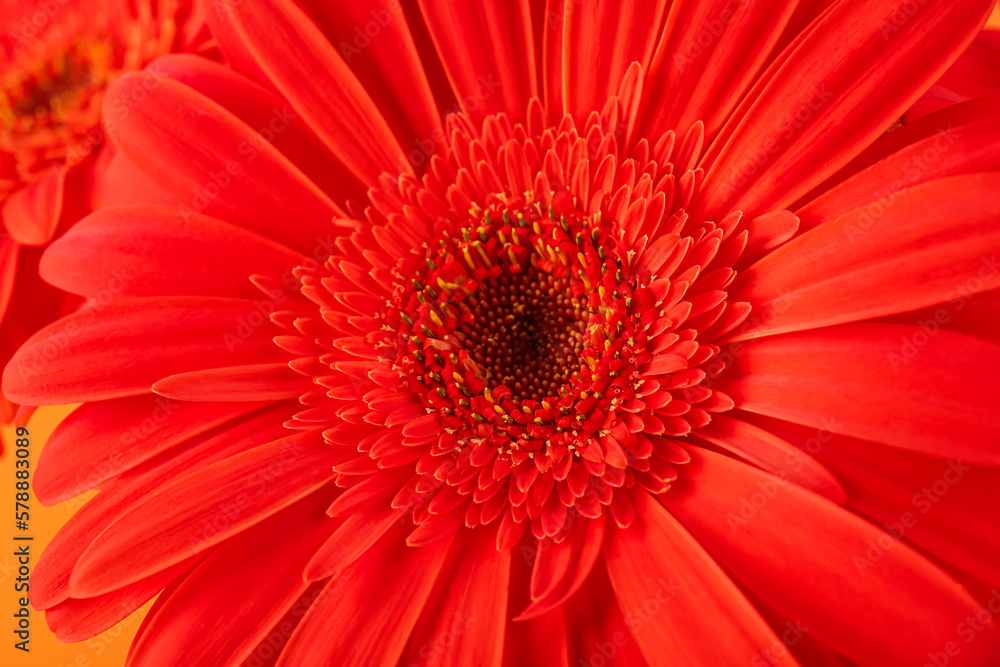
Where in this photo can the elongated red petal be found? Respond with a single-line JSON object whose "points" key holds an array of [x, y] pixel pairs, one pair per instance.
{"points": [[31, 213], [544, 639], [708, 55], [271, 555], [102, 439], [251, 382], [932, 503], [932, 240], [914, 132], [365, 616], [950, 150], [77, 619], [894, 613], [831, 93], [900, 385], [596, 625], [124, 184], [634, 27], [973, 314], [561, 568], [198, 152], [306, 69], [465, 617], [388, 65], [772, 454], [52, 574], [201, 510], [488, 52], [123, 348], [272, 118], [352, 539], [9, 250], [147, 251], [658, 560]]}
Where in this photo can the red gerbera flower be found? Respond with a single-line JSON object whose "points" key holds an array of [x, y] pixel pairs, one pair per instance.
{"points": [[58, 60], [514, 333]]}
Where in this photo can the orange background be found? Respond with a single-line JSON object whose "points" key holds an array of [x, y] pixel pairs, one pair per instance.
{"points": [[107, 650]]}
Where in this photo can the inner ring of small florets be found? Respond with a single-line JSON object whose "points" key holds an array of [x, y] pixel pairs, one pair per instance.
{"points": [[533, 323], [518, 328]]}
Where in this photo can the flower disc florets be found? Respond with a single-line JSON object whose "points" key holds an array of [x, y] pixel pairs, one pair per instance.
{"points": [[53, 84], [522, 331], [528, 328]]}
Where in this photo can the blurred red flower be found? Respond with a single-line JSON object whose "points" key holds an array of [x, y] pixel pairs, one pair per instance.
{"points": [[59, 58]]}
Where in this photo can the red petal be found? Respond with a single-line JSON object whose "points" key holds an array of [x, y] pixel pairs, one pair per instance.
{"points": [[902, 386], [488, 52], [949, 150], [253, 382], [77, 619], [31, 213], [657, 565], [8, 272], [201, 510], [896, 612], [270, 115], [307, 70], [710, 52], [769, 231], [910, 133], [596, 627], [561, 568], [831, 93], [543, 640], [271, 555], [124, 184], [140, 251], [932, 240], [620, 32], [464, 619], [806, 11], [370, 492], [365, 616], [103, 439], [375, 40], [50, 579], [180, 139], [943, 507], [771, 453], [236, 51], [974, 314], [352, 539], [973, 75], [122, 348]]}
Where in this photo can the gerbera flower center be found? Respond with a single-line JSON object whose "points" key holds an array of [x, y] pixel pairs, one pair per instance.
{"points": [[513, 315], [535, 318], [528, 333], [54, 92], [52, 89]]}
